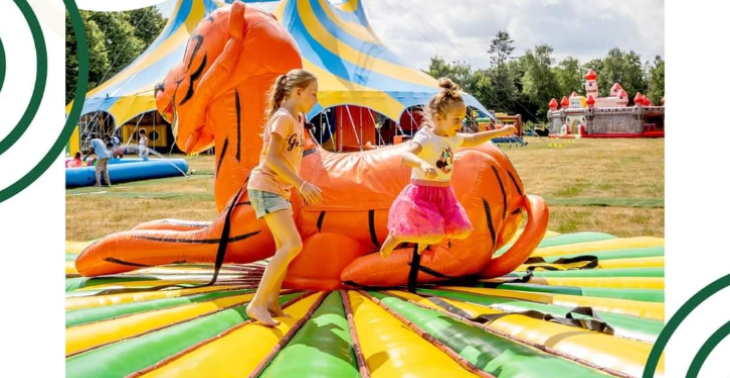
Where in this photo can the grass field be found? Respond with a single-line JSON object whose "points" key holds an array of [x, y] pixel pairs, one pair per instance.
{"points": [[613, 185]]}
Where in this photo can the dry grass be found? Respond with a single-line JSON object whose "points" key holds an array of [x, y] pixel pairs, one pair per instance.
{"points": [[621, 174]]}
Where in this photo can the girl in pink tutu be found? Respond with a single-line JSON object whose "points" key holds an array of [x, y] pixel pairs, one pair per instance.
{"points": [[426, 211]]}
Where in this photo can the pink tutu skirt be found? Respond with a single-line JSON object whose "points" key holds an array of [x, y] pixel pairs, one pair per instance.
{"points": [[428, 214]]}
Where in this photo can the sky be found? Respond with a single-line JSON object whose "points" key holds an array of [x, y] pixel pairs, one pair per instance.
{"points": [[462, 30]]}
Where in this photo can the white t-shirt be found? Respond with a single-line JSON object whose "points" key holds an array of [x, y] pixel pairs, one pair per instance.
{"points": [[437, 151]]}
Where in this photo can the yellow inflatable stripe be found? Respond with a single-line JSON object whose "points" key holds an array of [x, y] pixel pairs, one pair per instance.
{"points": [[115, 299], [650, 310], [347, 53], [133, 284], [604, 245], [77, 246], [71, 268], [642, 262], [550, 234], [604, 282], [392, 350], [238, 353], [95, 334]]}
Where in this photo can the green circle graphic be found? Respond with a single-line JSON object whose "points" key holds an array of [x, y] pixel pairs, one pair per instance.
{"points": [[2, 65], [677, 319], [40, 77], [73, 117], [706, 349]]}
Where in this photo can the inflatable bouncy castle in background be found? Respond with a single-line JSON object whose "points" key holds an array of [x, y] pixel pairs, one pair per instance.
{"points": [[592, 116]]}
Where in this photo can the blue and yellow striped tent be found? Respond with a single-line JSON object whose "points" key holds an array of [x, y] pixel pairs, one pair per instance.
{"points": [[337, 44], [354, 67]]}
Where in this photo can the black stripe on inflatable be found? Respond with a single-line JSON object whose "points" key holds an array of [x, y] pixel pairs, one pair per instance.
{"points": [[488, 213], [223, 154], [504, 194], [238, 127], [203, 241], [309, 151], [516, 211], [198, 42], [515, 182], [320, 220], [127, 263], [371, 223], [193, 78]]}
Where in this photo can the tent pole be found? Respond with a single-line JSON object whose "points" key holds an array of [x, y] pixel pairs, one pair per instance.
{"points": [[380, 136], [154, 128], [361, 136], [329, 128], [354, 129], [414, 122]]}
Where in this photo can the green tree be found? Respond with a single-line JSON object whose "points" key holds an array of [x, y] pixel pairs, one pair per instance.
{"points": [[484, 91], [121, 44], [115, 39], [149, 23], [438, 67], [540, 82], [98, 56], [570, 76], [623, 68], [460, 72], [656, 81], [633, 79], [500, 52]]}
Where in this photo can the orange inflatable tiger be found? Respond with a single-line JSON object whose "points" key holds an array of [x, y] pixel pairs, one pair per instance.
{"points": [[216, 96]]}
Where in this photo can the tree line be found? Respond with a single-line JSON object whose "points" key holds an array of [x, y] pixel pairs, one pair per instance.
{"points": [[114, 40], [515, 85], [525, 84]]}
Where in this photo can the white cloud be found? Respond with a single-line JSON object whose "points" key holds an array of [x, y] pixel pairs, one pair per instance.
{"points": [[462, 30]]}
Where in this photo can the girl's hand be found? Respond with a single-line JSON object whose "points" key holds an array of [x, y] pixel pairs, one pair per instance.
{"points": [[311, 193], [510, 130], [430, 171]]}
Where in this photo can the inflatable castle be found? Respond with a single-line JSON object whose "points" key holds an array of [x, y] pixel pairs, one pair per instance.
{"points": [[591, 116]]}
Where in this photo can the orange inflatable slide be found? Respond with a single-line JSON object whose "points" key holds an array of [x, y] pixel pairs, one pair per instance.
{"points": [[216, 97]]}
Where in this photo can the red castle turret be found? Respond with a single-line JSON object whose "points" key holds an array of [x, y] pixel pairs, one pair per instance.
{"points": [[564, 103], [553, 105]]}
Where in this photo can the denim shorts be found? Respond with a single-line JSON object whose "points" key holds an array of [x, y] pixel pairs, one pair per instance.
{"points": [[266, 203]]}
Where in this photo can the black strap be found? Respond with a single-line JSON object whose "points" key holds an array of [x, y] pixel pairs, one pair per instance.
{"points": [[225, 236], [219, 258], [416, 266], [591, 262], [371, 225], [495, 284], [413, 273]]}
